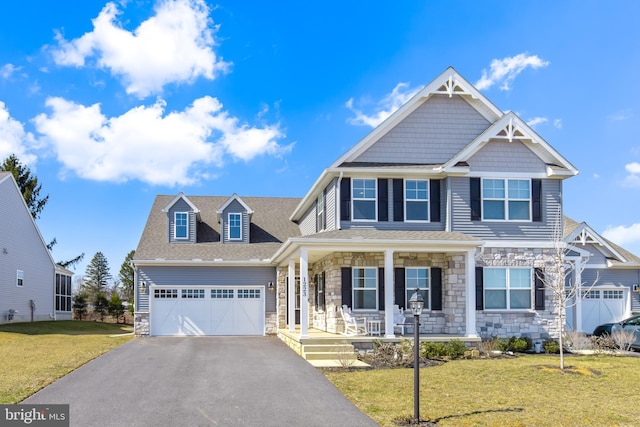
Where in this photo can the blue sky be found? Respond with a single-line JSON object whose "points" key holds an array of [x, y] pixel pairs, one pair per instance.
{"points": [[110, 104]]}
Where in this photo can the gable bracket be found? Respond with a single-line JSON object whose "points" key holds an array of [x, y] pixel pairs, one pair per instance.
{"points": [[452, 86]]}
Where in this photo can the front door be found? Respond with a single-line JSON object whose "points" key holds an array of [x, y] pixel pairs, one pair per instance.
{"points": [[297, 303]]}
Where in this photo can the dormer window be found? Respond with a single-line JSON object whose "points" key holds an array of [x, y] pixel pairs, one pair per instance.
{"points": [[235, 226], [181, 221]]}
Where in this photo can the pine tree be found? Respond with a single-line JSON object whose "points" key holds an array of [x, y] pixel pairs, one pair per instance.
{"points": [[126, 277], [116, 309], [80, 305], [100, 305], [27, 183], [97, 276]]}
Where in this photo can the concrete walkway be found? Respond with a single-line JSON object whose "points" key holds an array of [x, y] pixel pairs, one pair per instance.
{"points": [[201, 381]]}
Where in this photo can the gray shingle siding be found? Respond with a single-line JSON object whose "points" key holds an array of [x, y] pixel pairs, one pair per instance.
{"points": [[503, 156], [308, 221], [181, 277], [461, 216], [432, 134], [624, 277], [181, 206], [330, 204]]}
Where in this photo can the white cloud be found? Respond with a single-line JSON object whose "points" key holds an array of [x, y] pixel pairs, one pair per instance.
{"points": [[633, 178], [384, 108], [557, 123], [622, 235], [621, 115], [147, 144], [7, 70], [173, 46], [14, 139], [507, 69], [536, 121]]}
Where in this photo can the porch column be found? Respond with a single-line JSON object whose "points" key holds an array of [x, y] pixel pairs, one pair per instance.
{"points": [[471, 331], [291, 295], [577, 325], [304, 294], [389, 287]]}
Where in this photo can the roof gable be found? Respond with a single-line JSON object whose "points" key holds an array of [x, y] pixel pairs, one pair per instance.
{"points": [[581, 234], [230, 200]]}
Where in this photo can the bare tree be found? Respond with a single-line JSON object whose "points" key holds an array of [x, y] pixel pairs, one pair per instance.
{"points": [[560, 278]]}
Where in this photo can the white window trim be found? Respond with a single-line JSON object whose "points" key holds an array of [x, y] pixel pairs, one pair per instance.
{"points": [[353, 289], [175, 226], [20, 278], [508, 288], [229, 225], [428, 201], [506, 200], [320, 212], [375, 200], [427, 304]]}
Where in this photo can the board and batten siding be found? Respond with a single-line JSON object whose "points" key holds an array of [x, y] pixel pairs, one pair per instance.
{"points": [[236, 207], [495, 230], [509, 157], [432, 134], [182, 206], [615, 277], [183, 277], [25, 251]]}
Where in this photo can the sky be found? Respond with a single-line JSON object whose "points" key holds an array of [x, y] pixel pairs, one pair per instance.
{"points": [[112, 103]]}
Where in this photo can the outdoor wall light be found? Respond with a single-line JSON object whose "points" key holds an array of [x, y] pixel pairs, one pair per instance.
{"points": [[270, 286], [5, 251], [143, 287]]}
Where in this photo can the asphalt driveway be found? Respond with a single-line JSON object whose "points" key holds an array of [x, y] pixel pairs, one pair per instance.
{"points": [[201, 381]]}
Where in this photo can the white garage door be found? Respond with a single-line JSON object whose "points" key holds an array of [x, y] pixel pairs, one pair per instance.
{"points": [[207, 311], [600, 305]]}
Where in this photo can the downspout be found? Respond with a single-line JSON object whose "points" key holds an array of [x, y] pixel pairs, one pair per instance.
{"points": [[338, 199]]}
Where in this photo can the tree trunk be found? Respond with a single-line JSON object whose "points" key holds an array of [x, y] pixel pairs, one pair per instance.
{"points": [[561, 331]]}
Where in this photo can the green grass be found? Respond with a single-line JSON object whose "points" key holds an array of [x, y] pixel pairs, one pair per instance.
{"points": [[521, 391], [33, 355]]}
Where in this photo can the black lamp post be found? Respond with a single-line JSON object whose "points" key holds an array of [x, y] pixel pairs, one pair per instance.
{"points": [[416, 303]]}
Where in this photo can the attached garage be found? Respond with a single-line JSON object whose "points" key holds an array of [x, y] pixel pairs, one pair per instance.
{"points": [[601, 304], [195, 311]]}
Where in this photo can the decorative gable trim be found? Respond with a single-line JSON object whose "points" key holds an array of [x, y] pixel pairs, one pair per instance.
{"points": [[229, 201], [187, 201], [584, 235], [508, 128]]}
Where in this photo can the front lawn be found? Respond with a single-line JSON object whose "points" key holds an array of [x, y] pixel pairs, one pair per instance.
{"points": [[519, 391], [36, 354]]}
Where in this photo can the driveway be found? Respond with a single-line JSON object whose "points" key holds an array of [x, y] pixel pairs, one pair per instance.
{"points": [[201, 381]]}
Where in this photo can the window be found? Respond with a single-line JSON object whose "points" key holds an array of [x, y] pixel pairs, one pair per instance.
{"points": [[63, 292], [365, 288], [320, 299], [181, 225], [20, 278], [416, 200], [591, 294], [193, 293], [417, 278], [363, 196], [248, 293], [612, 294], [506, 199], [165, 293], [507, 288], [235, 226], [320, 213], [222, 293]]}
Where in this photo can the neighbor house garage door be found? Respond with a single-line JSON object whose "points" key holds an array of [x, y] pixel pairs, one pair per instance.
{"points": [[207, 311]]}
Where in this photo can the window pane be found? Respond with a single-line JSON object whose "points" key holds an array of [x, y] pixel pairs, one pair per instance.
{"points": [[495, 299], [493, 188], [417, 211], [518, 210], [493, 209], [416, 190], [364, 189], [364, 300], [519, 189], [520, 278], [520, 298], [495, 278], [364, 209]]}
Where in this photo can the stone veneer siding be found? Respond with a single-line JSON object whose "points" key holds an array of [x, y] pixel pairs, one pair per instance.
{"points": [[141, 324], [537, 325]]}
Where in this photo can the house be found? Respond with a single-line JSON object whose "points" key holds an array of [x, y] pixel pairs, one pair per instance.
{"points": [[27, 271], [449, 196]]}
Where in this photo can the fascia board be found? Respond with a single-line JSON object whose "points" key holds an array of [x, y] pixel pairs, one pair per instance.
{"points": [[201, 263], [323, 180], [534, 244], [186, 199], [585, 227], [233, 197]]}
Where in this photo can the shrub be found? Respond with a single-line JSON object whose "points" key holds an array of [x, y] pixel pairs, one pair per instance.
{"points": [[623, 339], [519, 344], [433, 350], [575, 340], [551, 346], [456, 349]]}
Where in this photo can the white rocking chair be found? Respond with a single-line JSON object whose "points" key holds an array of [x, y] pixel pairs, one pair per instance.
{"points": [[352, 325], [399, 320]]}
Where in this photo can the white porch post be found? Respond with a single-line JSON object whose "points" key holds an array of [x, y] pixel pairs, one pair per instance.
{"points": [[578, 286], [291, 295], [471, 331], [304, 294], [389, 287]]}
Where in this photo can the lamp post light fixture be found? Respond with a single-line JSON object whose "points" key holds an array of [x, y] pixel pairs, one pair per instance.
{"points": [[416, 303]]}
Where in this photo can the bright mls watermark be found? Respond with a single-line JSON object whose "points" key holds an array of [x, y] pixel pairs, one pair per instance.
{"points": [[34, 415]]}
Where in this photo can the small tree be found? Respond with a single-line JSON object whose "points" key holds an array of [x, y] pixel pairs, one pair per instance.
{"points": [[97, 276], [100, 305], [80, 305], [126, 277], [116, 309]]}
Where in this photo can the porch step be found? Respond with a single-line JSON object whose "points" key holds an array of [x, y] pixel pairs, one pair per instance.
{"points": [[329, 351]]}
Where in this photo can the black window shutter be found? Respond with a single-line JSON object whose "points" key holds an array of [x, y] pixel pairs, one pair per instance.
{"points": [[398, 200], [399, 287], [536, 199], [479, 289], [323, 300], [434, 198], [476, 199], [346, 286], [315, 280], [345, 199], [436, 288], [381, 288], [383, 199], [539, 288]]}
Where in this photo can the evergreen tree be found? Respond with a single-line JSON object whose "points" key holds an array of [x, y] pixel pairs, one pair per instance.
{"points": [[116, 309], [27, 183], [126, 277], [80, 305], [97, 276], [100, 305]]}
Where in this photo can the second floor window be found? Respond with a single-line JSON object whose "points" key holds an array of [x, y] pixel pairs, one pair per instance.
{"points": [[181, 225], [363, 195], [416, 200], [235, 226], [506, 199]]}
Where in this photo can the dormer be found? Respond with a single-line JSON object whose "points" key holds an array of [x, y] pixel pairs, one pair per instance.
{"points": [[234, 217], [182, 219]]}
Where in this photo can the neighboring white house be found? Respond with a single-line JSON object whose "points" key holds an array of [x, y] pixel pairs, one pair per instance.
{"points": [[449, 195], [27, 271]]}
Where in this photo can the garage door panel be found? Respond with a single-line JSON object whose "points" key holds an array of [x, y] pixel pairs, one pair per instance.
{"points": [[222, 314]]}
